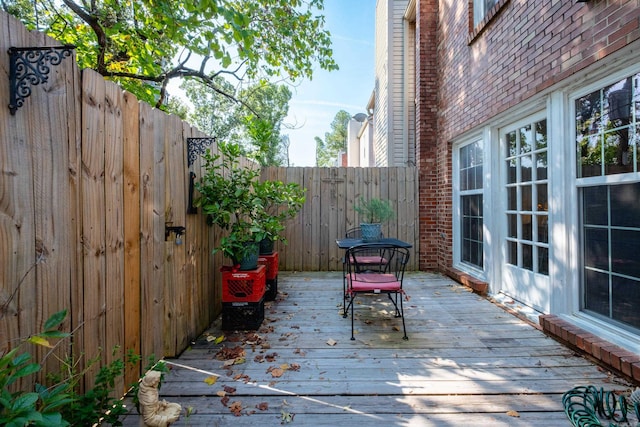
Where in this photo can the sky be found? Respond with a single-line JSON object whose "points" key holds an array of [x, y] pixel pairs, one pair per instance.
{"points": [[315, 103]]}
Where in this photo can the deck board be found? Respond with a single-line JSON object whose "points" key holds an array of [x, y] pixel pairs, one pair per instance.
{"points": [[467, 362]]}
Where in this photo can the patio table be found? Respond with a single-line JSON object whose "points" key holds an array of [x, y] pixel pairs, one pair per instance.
{"points": [[347, 242]]}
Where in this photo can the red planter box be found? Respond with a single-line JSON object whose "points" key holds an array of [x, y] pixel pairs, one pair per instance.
{"points": [[244, 286], [271, 262]]}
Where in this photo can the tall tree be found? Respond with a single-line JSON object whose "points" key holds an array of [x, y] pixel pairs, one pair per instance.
{"points": [[213, 113], [256, 127], [334, 142], [271, 106], [143, 44]]}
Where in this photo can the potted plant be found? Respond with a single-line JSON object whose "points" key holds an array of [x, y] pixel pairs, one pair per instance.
{"points": [[234, 199], [279, 203], [373, 212], [227, 198]]}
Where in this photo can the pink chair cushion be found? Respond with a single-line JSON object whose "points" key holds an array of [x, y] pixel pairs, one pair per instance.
{"points": [[371, 282]]}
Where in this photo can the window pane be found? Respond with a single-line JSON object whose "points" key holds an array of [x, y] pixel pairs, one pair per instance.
{"points": [[512, 171], [512, 147], [625, 247], [626, 300], [526, 198], [625, 205], [541, 134], [512, 222], [525, 168], [479, 179], [541, 194], [527, 257], [541, 166], [596, 289], [472, 233], [525, 139], [618, 155], [527, 227], [512, 253], [596, 248], [543, 228], [512, 198], [590, 156], [595, 205], [543, 260]]}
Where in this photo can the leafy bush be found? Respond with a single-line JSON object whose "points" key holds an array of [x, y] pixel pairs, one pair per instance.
{"points": [[61, 404]]}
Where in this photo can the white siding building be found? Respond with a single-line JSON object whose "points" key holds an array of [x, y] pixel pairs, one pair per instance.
{"points": [[394, 90]]}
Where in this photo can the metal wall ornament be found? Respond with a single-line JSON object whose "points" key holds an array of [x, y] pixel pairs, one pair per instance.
{"points": [[30, 66], [197, 146]]}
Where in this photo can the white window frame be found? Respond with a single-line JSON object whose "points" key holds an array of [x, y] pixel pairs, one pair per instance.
{"points": [[609, 331], [457, 208]]}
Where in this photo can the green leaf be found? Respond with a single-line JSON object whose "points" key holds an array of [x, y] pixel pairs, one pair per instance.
{"points": [[29, 369], [55, 334], [25, 401], [55, 320]]}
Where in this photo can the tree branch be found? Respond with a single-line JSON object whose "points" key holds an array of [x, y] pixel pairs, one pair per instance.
{"points": [[93, 22]]}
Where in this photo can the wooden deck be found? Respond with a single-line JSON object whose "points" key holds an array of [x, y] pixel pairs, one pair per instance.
{"points": [[467, 362]]}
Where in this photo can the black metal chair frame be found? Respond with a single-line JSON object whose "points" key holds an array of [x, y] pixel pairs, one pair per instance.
{"points": [[383, 277]]}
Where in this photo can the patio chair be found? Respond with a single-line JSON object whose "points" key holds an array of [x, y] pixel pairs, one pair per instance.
{"points": [[384, 277], [372, 256]]}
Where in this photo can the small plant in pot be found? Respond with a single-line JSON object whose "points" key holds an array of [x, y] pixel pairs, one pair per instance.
{"points": [[279, 203], [373, 212], [228, 200]]}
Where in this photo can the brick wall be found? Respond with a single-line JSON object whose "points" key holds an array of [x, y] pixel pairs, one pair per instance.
{"points": [[426, 130], [466, 76]]}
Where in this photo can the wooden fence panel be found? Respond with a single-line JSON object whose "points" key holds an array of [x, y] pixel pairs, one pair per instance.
{"points": [[328, 212], [114, 225], [131, 207], [93, 218]]}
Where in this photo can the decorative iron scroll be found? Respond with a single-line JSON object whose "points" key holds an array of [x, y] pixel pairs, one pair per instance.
{"points": [[197, 146], [30, 66], [591, 407]]}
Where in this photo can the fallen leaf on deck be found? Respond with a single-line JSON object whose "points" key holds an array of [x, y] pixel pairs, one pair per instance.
{"points": [[236, 408], [331, 342], [227, 353], [287, 417], [276, 372], [514, 414], [263, 406], [229, 389], [221, 393], [211, 380]]}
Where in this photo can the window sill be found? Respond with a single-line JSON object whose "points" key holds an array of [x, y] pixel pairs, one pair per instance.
{"points": [[474, 33]]}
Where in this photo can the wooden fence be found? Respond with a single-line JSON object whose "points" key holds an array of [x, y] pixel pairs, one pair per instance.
{"points": [[331, 194], [89, 180]]}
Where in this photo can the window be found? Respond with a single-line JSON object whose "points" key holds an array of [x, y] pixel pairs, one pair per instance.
{"points": [[607, 129], [471, 199], [481, 9], [527, 210]]}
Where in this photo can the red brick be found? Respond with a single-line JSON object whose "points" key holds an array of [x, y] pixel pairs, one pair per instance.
{"points": [[635, 371]]}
